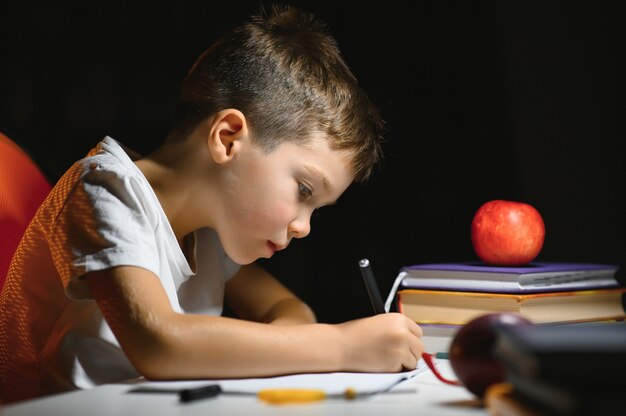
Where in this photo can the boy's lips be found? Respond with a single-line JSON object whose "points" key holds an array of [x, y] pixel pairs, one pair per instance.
{"points": [[276, 247]]}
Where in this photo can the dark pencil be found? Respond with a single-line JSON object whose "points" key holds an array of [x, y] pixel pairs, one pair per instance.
{"points": [[371, 286]]}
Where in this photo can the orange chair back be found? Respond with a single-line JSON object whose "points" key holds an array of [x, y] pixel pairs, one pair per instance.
{"points": [[23, 187]]}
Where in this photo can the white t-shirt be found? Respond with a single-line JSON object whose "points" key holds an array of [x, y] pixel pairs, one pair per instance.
{"points": [[102, 213]]}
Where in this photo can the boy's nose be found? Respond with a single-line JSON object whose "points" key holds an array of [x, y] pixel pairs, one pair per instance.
{"points": [[300, 227]]}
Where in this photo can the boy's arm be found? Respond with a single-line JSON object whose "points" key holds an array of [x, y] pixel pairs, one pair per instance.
{"points": [[164, 345], [255, 294]]}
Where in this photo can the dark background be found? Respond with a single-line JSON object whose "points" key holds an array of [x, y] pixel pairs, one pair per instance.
{"points": [[483, 100]]}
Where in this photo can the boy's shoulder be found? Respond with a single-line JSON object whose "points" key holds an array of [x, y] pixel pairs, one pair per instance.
{"points": [[107, 169], [106, 188], [108, 161], [110, 152]]}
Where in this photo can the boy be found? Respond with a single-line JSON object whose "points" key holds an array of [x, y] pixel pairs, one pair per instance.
{"points": [[124, 268]]}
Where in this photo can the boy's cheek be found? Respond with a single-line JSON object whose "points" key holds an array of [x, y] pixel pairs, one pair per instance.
{"points": [[277, 214]]}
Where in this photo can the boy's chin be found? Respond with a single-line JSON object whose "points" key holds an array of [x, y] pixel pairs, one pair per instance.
{"points": [[242, 260], [249, 253]]}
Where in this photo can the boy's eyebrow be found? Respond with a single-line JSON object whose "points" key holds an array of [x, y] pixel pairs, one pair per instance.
{"points": [[320, 175], [314, 171]]}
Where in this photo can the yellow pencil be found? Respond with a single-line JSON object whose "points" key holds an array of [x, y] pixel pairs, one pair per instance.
{"points": [[285, 396]]}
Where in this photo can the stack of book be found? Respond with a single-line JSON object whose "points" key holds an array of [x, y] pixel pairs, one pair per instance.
{"points": [[442, 297], [565, 369]]}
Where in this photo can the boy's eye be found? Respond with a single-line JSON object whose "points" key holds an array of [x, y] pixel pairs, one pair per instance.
{"points": [[304, 191]]}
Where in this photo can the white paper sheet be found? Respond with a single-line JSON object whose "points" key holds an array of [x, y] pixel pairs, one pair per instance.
{"points": [[331, 383]]}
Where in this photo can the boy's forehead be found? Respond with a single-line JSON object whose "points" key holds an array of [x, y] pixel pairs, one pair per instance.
{"points": [[323, 146], [335, 166], [318, 155]]}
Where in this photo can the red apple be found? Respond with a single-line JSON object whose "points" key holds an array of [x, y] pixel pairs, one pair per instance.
{"points": [[507, 233]]}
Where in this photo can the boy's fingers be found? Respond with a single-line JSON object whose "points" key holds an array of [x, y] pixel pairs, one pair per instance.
{"points": [[410, 362], [416, 347], [415, 329]]}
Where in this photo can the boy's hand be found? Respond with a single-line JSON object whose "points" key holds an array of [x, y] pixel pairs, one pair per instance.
{"points": [[382, 343]]}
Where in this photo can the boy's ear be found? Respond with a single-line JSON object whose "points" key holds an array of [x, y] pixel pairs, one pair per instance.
{"points": [[227, 132]]}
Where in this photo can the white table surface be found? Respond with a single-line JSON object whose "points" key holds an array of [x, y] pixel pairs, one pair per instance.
{"points": [[430, 397]]}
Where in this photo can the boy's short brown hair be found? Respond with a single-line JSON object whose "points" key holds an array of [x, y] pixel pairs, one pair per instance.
{"points": [[284, 72]]}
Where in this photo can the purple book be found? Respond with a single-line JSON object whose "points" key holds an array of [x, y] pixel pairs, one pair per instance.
{"points": [[536, 277]]}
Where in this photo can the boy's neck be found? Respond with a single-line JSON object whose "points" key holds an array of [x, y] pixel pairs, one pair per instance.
{"points": [[172, 175]]}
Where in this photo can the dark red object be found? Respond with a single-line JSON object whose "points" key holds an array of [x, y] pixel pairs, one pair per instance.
{"points": [[471, 352]]}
